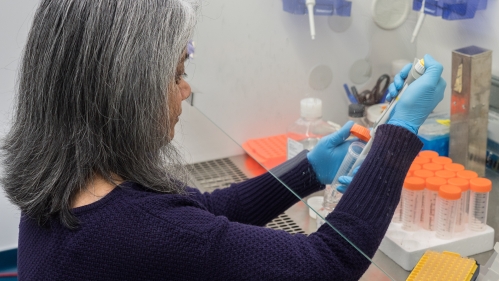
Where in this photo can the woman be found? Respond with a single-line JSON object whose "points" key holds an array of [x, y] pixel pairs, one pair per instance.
{"points": [[90, 163]]}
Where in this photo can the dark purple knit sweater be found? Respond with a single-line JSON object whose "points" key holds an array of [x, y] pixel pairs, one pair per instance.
{"points": [[135, 234]]}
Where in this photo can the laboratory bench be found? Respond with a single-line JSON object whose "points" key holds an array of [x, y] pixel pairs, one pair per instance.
{"points": [[236, 168]]}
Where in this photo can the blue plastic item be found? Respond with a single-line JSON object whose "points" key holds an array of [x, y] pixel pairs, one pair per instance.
{"points": [[8, 264], [438, 144], [350, 97], [434, 133], [451, 9], [492, 160], [321, 8]]}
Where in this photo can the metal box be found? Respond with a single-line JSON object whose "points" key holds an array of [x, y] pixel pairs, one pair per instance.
{"points": [[470, 82], [494, 93]]}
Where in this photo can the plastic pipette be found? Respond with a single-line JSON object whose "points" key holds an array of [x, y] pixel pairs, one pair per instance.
{"points": [[416, 71], [419, 23], [310, 7]]}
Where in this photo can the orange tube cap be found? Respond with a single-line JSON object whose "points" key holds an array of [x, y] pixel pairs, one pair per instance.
{"points": [[433, 167], [445, 174], [414, 183], [421, 160], [449, 192], [442, 160], [423, 174], [361, 132], [428, 154], [454, 167], [467, 174], [461, 183], [434, 183], [480, 185]]}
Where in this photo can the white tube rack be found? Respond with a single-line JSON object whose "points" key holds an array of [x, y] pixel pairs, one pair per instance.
{"points": [[406, 248]]}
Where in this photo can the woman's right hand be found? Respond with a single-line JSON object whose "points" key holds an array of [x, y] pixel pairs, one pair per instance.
{"points": [[420, 98]]}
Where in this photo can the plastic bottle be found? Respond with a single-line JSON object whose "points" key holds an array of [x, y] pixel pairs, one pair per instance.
{"points": [[356, 113], [309, 129], [447, 209], [373, 112], [479, 203], [433, 185], [412, 196]]}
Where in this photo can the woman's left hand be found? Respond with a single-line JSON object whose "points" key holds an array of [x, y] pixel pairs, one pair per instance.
{"points": [[327, 155]]}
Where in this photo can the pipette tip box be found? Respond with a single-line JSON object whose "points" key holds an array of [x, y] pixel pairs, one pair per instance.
{"points": [[406, 248], [444, 266]]}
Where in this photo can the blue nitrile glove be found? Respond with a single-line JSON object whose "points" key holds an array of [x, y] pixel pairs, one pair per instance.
{"points": [[398, 82], [420, 98], [327, 155], [346, 180]]}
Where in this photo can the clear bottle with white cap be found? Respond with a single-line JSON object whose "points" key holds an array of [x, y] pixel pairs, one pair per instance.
{"points": [[309, 129]]}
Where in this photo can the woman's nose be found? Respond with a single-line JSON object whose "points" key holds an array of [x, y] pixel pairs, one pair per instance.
{"points": [[185, 89]]}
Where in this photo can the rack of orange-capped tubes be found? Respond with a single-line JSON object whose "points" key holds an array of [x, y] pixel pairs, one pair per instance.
{"points": [[441, 196]]}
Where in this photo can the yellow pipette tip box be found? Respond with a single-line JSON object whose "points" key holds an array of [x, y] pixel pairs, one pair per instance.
{"points": [[444, 266]]}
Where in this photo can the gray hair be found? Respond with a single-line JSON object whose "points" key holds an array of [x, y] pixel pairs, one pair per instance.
{"points": [[92, 99]]}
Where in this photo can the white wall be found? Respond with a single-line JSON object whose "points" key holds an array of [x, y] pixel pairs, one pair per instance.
{"points": [[15, 20], [252, 64], [253, 60]]}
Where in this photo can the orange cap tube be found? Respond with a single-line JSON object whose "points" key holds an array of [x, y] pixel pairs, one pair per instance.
{"points": [[428, 154], [414, 183], [454, 167], [361, 132], [449, 192], [421, 160], [467, 175], [414, 167], [461, 183], [433, 167], [445, 174], [423, 174], [442, 160], [480, 185], [434, 183]]}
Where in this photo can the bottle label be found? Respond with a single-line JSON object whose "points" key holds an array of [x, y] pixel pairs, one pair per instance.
{"points": [[293, 148]]}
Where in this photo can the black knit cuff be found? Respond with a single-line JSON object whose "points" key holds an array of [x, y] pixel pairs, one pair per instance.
{"points": [[375, 190]]}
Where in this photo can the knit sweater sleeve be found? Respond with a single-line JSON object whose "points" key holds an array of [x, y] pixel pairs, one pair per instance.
{"points": [[362, 216], [259, 200]]}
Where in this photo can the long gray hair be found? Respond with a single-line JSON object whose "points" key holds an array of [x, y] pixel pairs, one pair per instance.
{"points": [[92, 99]]}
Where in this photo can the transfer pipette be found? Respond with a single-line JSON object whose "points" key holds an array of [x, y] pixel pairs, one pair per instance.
{"points": [[310, 6], [416, 71], [419, 22]]}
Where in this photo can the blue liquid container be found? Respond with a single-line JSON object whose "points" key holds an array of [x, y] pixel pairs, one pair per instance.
{"points": [[451, 9], [434, 133]]}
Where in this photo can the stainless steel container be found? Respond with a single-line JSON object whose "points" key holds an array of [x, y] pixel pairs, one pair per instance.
{"points": [[471, 81]]}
